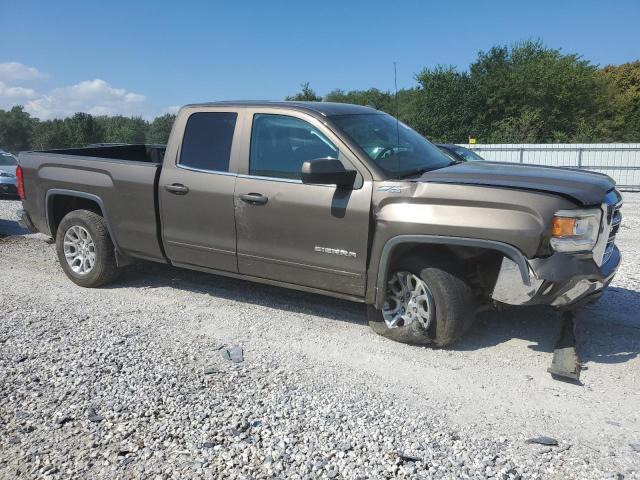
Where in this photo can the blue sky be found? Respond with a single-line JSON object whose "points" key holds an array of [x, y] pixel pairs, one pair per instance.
{"points": [[143, 58]]}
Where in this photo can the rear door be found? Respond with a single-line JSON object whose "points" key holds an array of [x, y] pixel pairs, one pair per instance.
{"points": [[311, 235], [196, 190]]}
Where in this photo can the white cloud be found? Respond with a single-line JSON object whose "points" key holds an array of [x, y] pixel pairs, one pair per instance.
{"points": [[96, 96], [16, 93], [10, 71]]}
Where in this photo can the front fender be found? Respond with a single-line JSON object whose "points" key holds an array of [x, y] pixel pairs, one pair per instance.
{"points": [[505, 249]]}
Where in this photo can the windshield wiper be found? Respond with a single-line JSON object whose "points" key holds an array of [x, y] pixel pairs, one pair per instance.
{"points": [[413, 173], [421, 171]]}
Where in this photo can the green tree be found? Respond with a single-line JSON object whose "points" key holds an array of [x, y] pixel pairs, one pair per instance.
{"points": [[534, 93], [624, 101], [307, 94], [50, 134], [119, 129], [160, 128], [82, 130], [442, 107], [16, 127], [373, 98]]}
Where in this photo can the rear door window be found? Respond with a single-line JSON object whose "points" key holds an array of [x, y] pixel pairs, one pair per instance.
{"points": [[207, 140]]}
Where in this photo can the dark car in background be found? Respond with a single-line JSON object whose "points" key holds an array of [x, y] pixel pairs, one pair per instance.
{"points": [[8, 164], [458, 153]]}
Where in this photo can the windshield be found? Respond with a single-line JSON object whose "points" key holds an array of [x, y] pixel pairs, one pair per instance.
{"points": [[394, 147], [8, 159], [468, 155]]}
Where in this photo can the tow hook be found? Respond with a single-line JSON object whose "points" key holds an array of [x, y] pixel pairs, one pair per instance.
{"points": [[565, 363]]}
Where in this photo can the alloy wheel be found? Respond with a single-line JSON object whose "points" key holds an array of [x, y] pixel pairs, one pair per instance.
{"points": [[408, 300], [79, 250]]}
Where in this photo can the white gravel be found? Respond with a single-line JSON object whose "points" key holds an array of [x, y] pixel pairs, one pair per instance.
{"points": [[130, 381]]}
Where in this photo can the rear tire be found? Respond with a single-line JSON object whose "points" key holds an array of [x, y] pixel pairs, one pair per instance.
{"points": [[451, 299], [85, 250]]}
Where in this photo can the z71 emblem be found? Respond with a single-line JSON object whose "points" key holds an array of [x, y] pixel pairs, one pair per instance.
{"points": [[335, 251]]}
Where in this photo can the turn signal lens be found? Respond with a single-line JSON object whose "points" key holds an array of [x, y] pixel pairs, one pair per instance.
{"points": [[563, 226], [575, 230]]}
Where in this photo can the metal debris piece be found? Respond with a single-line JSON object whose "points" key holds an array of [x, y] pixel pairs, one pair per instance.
{"points": [[407, 457], [93, 416], [62, 419], [235, 354], [565, 363], [543, 440]]}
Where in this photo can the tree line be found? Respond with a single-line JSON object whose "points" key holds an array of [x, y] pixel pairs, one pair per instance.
{"points": [[19, 131], [524, 93]]}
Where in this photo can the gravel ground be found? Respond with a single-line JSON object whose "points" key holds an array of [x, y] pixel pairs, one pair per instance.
{"points": [[138, 380]]}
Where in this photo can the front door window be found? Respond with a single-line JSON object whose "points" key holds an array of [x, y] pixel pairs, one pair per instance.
{"points": [[281, 144]]}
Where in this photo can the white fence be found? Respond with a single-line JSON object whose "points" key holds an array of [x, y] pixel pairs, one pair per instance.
{"points": [[621, 161]]}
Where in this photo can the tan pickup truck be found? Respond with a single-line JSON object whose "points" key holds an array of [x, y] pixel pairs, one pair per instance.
{"points": [[336, 199]]}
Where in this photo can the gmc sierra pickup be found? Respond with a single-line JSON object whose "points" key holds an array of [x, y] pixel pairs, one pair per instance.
{"points": [[336, 199]]}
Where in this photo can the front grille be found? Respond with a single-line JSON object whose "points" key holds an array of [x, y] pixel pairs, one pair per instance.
{"points": [[614, 218]]}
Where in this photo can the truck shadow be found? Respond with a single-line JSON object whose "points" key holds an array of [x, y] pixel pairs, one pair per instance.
{"points": [[151, 275], [607, 332]]}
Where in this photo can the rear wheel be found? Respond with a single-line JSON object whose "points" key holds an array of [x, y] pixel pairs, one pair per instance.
{"points": [[85, 250], [424, 305]]}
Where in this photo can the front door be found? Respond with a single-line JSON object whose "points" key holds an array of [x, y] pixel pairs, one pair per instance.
{"points": [[196, 194], [311, 235]]}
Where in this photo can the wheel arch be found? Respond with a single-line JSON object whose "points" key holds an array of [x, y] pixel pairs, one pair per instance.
{"points": [[60, 202], [396, 244]]}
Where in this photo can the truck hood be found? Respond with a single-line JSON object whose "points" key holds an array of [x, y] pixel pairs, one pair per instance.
{"points": [[587, 188]]}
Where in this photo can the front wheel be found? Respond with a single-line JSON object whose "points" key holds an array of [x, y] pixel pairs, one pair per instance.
{"points": [[424, 305], [85, 250]]}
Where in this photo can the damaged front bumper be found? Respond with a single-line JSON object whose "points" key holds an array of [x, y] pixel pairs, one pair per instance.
{"points": [[558, 280]]}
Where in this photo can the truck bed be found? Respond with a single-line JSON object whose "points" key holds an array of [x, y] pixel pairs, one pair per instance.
{"points": [[135, 153], [122, 180]]}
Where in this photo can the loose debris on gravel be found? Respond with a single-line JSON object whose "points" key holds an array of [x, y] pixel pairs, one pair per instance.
{"points": [[543, 440], [235, 354]]}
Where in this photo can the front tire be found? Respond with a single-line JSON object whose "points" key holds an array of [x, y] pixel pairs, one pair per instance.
{"points": [[85, 250], [425, 305]]}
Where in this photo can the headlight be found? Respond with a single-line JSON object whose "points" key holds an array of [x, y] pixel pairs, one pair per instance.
{"points": [[5, 174], [575, 230]]}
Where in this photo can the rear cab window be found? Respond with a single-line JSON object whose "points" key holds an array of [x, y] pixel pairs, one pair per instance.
{"points": [[207, 141]]}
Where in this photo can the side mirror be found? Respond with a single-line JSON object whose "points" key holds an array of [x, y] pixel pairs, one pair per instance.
{"points": [[327, 171]]}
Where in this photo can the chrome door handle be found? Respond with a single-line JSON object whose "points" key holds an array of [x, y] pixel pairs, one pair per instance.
{"points": [[177, 189], [254, 198]]}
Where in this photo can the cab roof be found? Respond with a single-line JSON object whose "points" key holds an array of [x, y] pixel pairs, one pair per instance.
{"points": [[326, 109]]}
